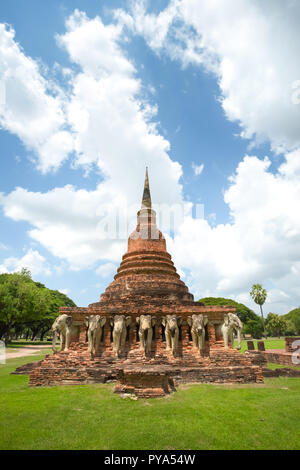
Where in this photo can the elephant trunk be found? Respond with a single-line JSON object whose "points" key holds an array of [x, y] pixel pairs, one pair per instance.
{"points": [[146, 335], [173, 331]]}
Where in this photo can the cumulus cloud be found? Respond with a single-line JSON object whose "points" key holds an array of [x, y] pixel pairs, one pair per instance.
{"points": [[261, 244], [32, 260], [32, 108], [112, 122], [106, 270], [67, 222], [107, 121], [112, 126], [251, 47]]}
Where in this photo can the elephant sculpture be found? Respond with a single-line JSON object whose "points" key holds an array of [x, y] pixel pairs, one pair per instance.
{"points": [[197, 324], [231, 324], [63, 326], [146, 322], [95, 324], [119, 324], [171, 324]]}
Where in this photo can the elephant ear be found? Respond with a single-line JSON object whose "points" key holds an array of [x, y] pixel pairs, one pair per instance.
{"points": [[87, 321], [153, 321], [205, 320], [111, 321], [102, 321], [164, 321], [137, 320], [179, 321], [69, 320], [127, 320], [189, 321], [226, 320]]}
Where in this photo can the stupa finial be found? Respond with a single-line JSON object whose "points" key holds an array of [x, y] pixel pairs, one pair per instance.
{"points": [[146, 202]]}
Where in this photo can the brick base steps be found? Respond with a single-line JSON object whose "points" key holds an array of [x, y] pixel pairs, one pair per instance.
{"points": [[26, 369], [153, 377]]}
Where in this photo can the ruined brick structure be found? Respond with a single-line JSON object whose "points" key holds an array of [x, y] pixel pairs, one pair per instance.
{"points": [[289, 356], [147, 283]]}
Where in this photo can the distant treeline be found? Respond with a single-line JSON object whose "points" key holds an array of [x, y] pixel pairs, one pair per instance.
{"points": [[276, 325], [27, 308]]}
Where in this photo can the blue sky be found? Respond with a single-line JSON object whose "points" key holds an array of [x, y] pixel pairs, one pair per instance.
{"points": [[75, 139]]}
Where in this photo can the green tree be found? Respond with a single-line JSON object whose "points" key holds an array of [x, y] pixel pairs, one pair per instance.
{"points": [[290, 328], [276, 325], [259, 295], [294, 317], [27, 306], [254, 328]]}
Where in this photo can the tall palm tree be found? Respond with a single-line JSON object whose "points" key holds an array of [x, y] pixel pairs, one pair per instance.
{"points": [[259, 295]]}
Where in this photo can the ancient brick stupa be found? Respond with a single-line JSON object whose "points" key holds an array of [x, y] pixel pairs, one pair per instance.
{"points": [[150, 333], [147, 275]]}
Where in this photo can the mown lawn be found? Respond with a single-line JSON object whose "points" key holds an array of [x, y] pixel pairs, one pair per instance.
{"points": [[270, 343], [195, 417]]}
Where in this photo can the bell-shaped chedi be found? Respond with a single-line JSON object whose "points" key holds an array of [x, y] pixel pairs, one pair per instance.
{"points": [[147, 272]]}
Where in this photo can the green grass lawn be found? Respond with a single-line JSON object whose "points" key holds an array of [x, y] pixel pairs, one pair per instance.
{"points": [[195, 417], [281, 366], [270, 343]]}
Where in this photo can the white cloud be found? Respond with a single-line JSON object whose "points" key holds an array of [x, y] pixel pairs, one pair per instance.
{"points": [[198, 168], [32, 260], [64, 291], [242, 44], [66, 222], [112, 127], [106, 270], [33, 109], [262, 244]]}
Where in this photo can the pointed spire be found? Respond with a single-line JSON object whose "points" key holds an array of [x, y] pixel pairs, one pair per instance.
{"points": [[146, 202]]}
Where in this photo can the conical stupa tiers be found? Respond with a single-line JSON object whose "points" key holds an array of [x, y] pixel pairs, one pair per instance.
{"points": [[146, 270]]}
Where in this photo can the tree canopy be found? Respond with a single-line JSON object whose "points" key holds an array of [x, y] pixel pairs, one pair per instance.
{"points": [[294, 317], [28, 305]]}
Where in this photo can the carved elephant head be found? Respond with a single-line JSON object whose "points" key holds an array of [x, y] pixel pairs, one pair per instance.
{"points": [[62, 326], [231, 324], [171, 323], [93, 322]]}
